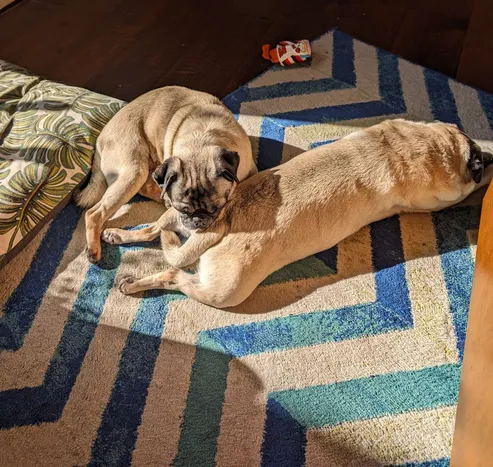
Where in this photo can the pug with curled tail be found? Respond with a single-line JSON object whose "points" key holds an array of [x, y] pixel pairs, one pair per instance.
{"points": [[311, 203], [189, 135]]}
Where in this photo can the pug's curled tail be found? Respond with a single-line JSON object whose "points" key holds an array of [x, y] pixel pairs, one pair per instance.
{"points": [[95, 189]]}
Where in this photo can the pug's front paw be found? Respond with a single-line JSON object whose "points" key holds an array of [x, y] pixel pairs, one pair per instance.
{"points": [[125, 285], [93, 255]]}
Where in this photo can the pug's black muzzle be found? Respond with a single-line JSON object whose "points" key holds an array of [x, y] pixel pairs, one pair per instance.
{"points": [[197, 221], [478, 161]]}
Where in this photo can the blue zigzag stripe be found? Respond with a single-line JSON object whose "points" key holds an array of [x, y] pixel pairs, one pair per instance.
{"points": [[343, 58], [442, 99], [294, 88], [316, 144], [284, 438], [122, 416], [434, 463], [457, 262], [487, 104], [23, 304], [45, 403], [270, 144]]}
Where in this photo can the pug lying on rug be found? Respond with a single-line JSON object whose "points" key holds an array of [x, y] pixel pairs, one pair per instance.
{"points": [[311, 203], [195, 138]]}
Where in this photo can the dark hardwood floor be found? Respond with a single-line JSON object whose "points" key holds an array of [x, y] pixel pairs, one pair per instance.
{"points": [[124, 48]]}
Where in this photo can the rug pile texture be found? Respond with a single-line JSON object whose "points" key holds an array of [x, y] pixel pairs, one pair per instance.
{"points": [[351, 357]]}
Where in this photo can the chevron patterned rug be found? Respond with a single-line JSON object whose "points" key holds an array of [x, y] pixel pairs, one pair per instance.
{"points": [[349, 358]]}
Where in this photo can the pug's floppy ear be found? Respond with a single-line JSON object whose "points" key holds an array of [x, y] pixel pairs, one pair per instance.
{"points": [[167, 173], [228, 165], [476, 163]]}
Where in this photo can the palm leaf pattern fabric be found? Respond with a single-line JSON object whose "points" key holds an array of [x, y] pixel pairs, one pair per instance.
{"points": [[45, 186], [48, 132]]}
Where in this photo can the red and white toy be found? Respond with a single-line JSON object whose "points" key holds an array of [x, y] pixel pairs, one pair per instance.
{"points": [[288, 53]]}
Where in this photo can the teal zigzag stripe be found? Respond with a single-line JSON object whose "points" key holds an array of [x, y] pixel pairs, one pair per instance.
{"points": [[376, 396]]}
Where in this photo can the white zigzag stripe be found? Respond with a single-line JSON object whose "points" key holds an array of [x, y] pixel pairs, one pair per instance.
{"points": [[306, 101], [471, 113], [171, 377], [252, 125], [409, 437], [366, 69], [299, 138], [414, 91]]}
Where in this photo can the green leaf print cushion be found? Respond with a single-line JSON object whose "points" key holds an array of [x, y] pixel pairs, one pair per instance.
{"points": [[48, 133]]}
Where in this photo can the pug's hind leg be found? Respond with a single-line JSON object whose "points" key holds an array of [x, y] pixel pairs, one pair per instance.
{"points": [[117, 194], [172, 279], [151, 190], [176, 279]]}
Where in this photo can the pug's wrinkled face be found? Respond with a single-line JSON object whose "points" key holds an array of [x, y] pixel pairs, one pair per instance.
{"points": [[198, 187], [478, 161]]}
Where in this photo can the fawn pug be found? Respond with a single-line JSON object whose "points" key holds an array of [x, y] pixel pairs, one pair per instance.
{"points": [[311, 203], [189, 135]]}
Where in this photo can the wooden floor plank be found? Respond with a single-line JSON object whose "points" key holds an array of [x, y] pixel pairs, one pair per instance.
{"points": [[375, 22], [476, 62], [433, 41], [219, 58], [139, 66], [439, 9], [125, 48]]}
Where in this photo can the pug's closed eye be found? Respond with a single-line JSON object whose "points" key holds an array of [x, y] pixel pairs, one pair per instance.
{"points": [[227, 175]]}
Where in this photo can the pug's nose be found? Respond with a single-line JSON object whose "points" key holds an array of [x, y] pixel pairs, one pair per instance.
{"points": [[200, 223]]}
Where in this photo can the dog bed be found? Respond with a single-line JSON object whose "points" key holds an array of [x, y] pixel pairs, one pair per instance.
{"points": [[47, 136]]}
